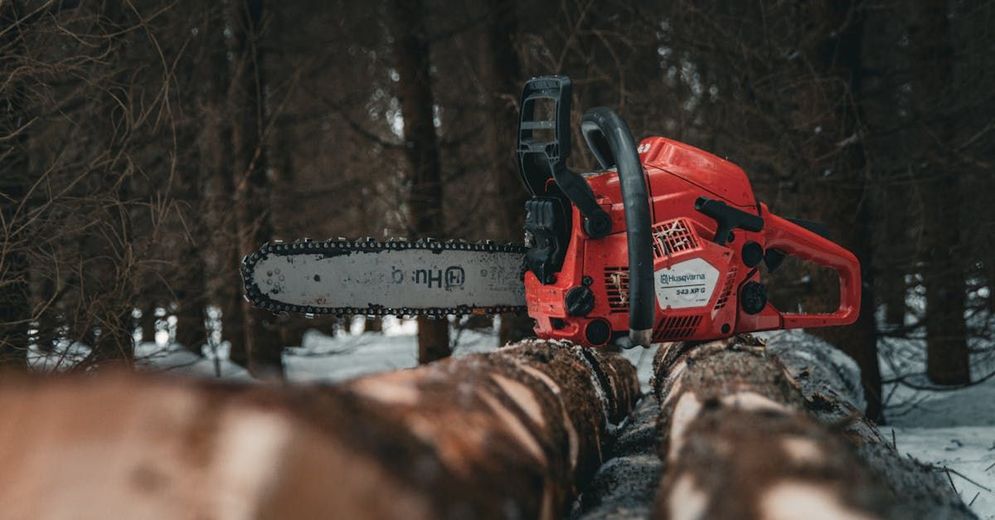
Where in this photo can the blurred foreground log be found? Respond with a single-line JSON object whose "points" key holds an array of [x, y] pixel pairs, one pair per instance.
{"points": [[744, 437], [510, 434]]}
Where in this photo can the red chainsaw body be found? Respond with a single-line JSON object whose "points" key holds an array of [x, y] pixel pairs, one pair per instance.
{"points": [[697, 281]]}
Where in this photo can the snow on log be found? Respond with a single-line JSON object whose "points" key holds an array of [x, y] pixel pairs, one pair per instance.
{"points": [[510, 434], [741, 439]]}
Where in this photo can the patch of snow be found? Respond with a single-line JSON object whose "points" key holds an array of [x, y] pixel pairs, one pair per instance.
{"points": [[968, 450], [642, 358], [174, 359], [64, 355], [324, 358]]}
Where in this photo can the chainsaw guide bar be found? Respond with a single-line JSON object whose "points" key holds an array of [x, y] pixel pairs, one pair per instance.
{"points": [[422, 278]]}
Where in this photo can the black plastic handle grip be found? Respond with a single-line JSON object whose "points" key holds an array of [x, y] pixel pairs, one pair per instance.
{"points": [[610, 140], [544, 147], [542, 153]]}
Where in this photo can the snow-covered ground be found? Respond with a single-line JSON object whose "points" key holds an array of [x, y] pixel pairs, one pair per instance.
{"points": [[952, 429]]}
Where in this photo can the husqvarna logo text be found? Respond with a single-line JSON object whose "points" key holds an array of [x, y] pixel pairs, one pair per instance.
{"points": [[668, 279], [452, 278]]}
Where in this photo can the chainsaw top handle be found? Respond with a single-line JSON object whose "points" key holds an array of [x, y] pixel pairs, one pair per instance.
{"points": [[544, 147], [611, 142]]}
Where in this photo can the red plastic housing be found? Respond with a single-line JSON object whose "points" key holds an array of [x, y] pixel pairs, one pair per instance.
{"points": [[697, 282]]}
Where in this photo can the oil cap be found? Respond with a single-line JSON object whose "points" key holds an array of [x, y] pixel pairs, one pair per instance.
{"points": [[753, 254], [579, 301]]}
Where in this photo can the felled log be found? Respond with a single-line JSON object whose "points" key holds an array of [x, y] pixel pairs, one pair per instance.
{"points": [[739, 439], [510, 434]]}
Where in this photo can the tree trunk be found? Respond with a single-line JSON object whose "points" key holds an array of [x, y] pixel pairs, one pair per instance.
{"points": [[893, 295], [373, 325], [895, 252], [738, 442], [147, 321], [191, 329], [220, 252], [433, 339], [263, 349], [990, 277], [115, 340], [510, 434], [414, 92], [947, 360], [192, 294], [839, 56], [500, 79], [15, 308]]}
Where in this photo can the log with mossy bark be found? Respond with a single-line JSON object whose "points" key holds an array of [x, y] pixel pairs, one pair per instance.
{"points": [[742, 436], [509, 434]]}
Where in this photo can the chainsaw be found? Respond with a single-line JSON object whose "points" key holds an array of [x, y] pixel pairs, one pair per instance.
{"points": [[664, 242]]}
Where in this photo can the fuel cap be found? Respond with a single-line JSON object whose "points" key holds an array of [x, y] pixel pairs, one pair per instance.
{"points": [[753, 297]]}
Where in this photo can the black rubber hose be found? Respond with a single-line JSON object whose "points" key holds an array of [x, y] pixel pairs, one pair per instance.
{"points": [[609, 139]]}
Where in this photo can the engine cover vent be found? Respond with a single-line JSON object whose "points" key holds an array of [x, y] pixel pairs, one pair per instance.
{"points": [[727, 288], [674, 236], [617, 286], [677, 327]]}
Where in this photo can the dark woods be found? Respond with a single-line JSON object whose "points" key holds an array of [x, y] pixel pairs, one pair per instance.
{"points": [[145, 146]]}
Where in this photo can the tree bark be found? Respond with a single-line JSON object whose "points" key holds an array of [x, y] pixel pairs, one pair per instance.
{"points": [[893, 262], [947, 360], [191, 330], [192, 295], [433, 339], [510, 434], [220, 254], [990, 277], [263, 349], [893, 294], [739, 439], [115, 340], [414, 92], [374, 324], [500, 79], [15, 308], [148, 320], [839, 57]]}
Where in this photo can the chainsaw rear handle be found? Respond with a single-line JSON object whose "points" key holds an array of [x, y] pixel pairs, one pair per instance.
{"points": [[791, 238], [548, 149], [611, 142]]}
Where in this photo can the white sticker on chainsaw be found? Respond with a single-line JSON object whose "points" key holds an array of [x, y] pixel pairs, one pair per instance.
{"points": [[686, 284]]}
